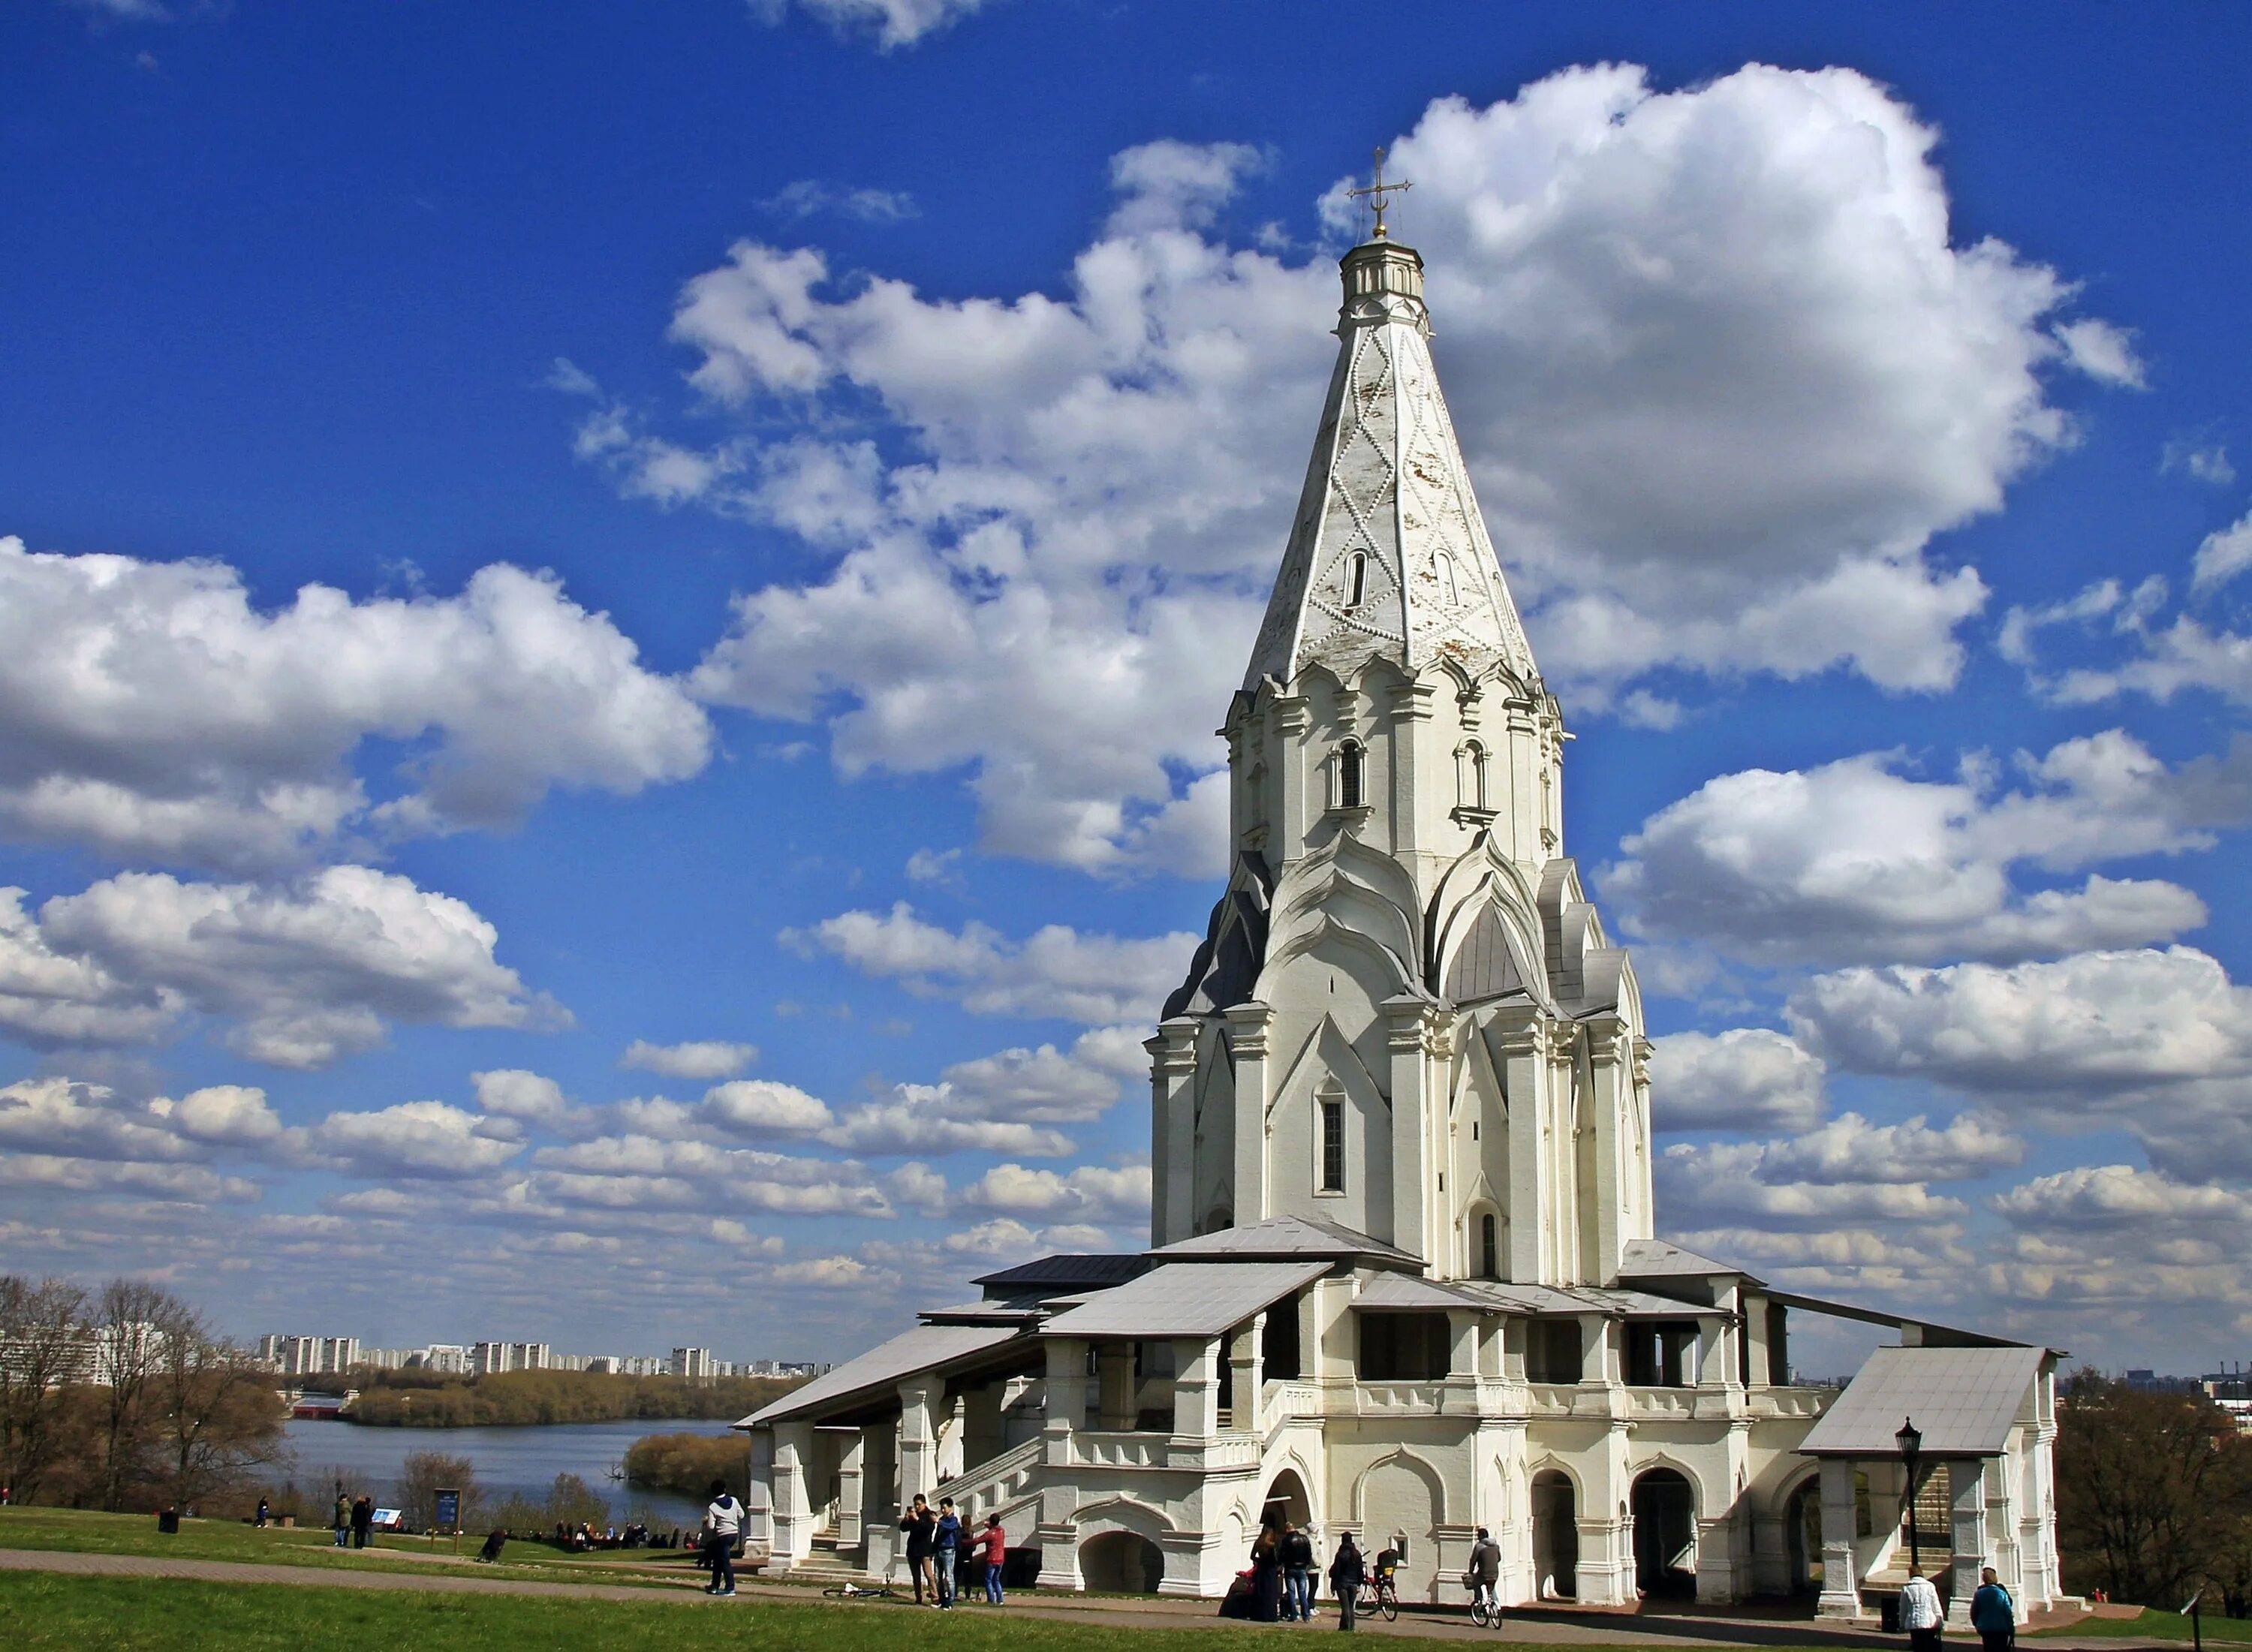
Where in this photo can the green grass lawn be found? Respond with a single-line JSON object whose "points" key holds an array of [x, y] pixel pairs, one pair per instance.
{"points": [[2156, 1625], [120, 1614], [85, 1531]]}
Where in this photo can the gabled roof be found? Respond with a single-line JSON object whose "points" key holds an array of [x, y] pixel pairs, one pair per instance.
{"points": [[1387, 556], [1186, 1299], [1406, 1293], [1963, 1401], [925, 1348], [1287, 1238], [1661, 1259], [1065, 1270]]}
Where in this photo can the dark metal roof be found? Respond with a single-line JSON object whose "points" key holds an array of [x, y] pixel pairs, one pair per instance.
{"points": [[1085, 1268]]}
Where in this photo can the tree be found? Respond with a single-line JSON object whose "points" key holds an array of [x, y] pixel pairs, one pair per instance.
{"points": [[216, 1414], [41, 1344], [425, 1473], [2149, 1489], [131, 1322]]}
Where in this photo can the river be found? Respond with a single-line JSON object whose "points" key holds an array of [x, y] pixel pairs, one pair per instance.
{"points": [[506, 1460]]}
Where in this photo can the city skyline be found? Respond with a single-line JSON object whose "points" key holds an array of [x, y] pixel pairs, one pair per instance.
{"points": [[611, 653]]}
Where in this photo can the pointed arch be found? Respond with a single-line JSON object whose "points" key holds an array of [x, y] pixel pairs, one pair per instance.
{"points": [[1419, 1465]]}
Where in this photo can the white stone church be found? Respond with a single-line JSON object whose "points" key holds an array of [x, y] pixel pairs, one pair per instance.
{"points": [[1403, 1280]]}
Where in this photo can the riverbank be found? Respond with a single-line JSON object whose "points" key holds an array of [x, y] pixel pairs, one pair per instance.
{"points": [[549, 1398]]}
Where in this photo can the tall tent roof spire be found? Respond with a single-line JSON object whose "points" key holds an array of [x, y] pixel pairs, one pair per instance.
{"points": [[1387, 555]]}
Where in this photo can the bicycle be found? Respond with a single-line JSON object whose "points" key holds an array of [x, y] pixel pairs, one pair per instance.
{"points": [[1483, 1613], [854, 1592], [1377, 1594]]}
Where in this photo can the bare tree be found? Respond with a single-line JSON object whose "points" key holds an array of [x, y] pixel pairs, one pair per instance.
{"points": [[2148, 1487], [214, 1411], [42, 1344], [130, 1328]]}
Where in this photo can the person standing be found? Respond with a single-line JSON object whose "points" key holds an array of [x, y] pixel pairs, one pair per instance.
{"points": [[723, 1519], [265, 1513], [362, 1521], [1920, 1613], [1266, 1576], [340, 1517], [1485, 1570], [946, 1551], [1993, 1613], [1295, 1550], [921, 1527], [995, 1544], [1347, 1573]]}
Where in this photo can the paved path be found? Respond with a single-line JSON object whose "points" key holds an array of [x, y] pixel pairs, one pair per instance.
{"points": [[1542, 1626]]}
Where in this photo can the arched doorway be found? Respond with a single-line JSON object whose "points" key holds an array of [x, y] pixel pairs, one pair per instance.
{"points": [[1120, 1563], [1285, 1500], [1801, 1525], [1555, 1538], [1665, 1506], [1399, 1508]]}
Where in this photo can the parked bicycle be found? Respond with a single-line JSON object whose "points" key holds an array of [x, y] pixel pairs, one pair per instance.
{"points": [[854, 1592]]}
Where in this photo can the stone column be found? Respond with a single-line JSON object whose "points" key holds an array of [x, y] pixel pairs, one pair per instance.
{"points": [[1066, 1396], [1248, 1025], [1841, 1581], [1966, 1501], [1292, 718], [1196, 1388], [793, 1511], [1611, 1103], [1115, 1401], [918, 1398], [1525, 1042], [1596, 1365], [1410, 705], [1172, 1103], [1247, 1373], [852, 1459]]}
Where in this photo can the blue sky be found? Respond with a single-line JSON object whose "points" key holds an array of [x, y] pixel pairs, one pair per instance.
{"points": [[791, 486]]}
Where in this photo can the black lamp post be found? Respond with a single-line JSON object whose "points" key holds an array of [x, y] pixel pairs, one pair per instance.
{"points": [[1911, 1444]]}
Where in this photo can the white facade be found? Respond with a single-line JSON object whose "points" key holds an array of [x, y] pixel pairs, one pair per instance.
{"points": [[1402, 1278]]}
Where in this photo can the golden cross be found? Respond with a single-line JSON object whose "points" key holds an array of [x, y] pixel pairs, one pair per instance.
{"points": [[1377, 189]]}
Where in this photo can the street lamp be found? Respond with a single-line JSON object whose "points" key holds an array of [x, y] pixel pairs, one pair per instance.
{"points": [[1911, 1446]]}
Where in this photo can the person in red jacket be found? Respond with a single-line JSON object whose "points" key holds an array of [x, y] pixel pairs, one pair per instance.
{"points": [[995, 1543]]}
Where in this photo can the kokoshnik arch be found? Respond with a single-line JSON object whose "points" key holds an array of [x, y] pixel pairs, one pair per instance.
{"points": [[1403, 1278]]}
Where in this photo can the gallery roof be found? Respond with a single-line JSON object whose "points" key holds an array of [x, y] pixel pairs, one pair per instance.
{"points": [[925, 1348], [1964, 1400], [1186, 1299], [1287, 1237]]}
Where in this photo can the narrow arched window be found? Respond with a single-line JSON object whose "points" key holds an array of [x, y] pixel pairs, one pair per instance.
{"points": [[1449, 586], [1351, 776], [1333, 1145], [1356, 579], [1489, 1246], [1470, 775]]}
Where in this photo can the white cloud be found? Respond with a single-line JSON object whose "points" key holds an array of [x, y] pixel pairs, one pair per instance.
{"points": [[2198, 455], [222, 1115], [2158, 1043], [414, 1139], [699, 1058], [511, 1092], [148, 710], [1745, 1078], [922, 1118], [894, 22], [307, 973], [1856, 860], [54, 1115], [1747, 1183], [1057, 972], [806, 197], [2225, 553], [1720, 368], [760, 1107], [939, 867], [1090, 1191], [2120, 1246], [2104, 352], [191, 1183]]}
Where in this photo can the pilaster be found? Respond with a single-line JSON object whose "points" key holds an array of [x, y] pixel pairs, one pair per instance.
{"points": [[1841, 1581], [1408, 1023], [1525, 1040], [852, 1459], [1172, 1134], [1966, 1501], [918, 1398], [1247, 1026], [1409, 714], [793, 1510]]}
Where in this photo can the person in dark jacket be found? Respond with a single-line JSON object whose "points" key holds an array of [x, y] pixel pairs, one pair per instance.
{"points": [[1347, 1573], [921, 1527], [1993, 1613], [1295, 1550], [946, 1552], [1266, 1577], [362, 1522]]}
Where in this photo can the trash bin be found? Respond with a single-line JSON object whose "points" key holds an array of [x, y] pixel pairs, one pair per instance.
{"points": [[168, 1520]]}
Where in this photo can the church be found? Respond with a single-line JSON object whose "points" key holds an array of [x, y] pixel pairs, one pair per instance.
{"points": [[1403, 1279]]}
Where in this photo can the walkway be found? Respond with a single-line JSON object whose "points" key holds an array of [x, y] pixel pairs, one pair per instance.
{"points": [[1540, 1626]]}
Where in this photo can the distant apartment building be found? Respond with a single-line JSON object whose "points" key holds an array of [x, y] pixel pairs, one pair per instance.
{"points": [[693, 1363], [309, 1356], [487, 1359]]}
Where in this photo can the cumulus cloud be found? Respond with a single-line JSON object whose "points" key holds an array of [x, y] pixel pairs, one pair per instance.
{"points": [[699, 1058], [414, 1139], [511, 1092], [1057, 972], [1745, 1078], [892, 23], [1091, 1191], [2198, 455], [2225, 553], [305, 973], [2156, 1042], [2104, 352], [149, 710], [1857, 860], [756, 1107], [1719, 362], [1755, 1183], [2122, 1244]]}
